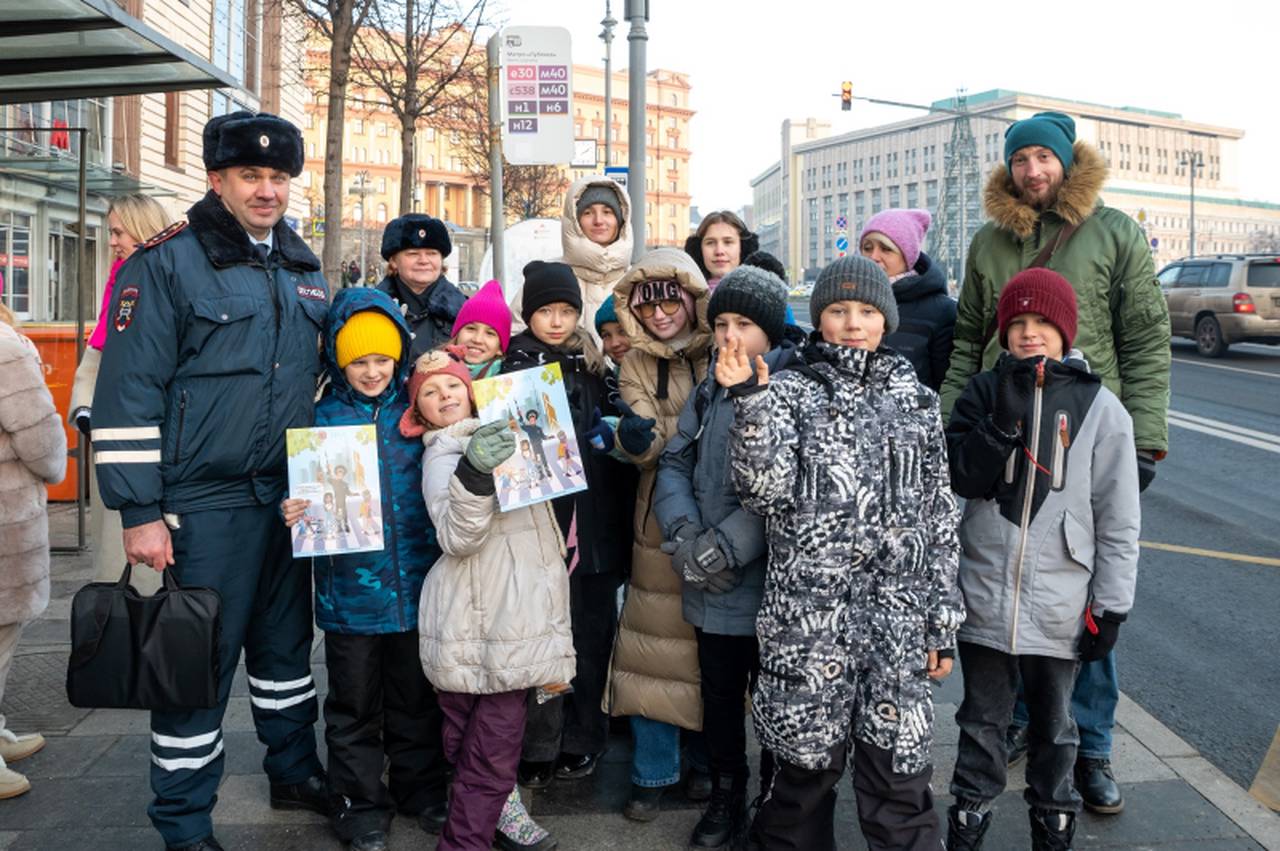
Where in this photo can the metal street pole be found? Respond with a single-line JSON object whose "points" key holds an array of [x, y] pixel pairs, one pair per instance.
{"points": [[638, 15], [497, 221], [1193, 160], [607, 36]]}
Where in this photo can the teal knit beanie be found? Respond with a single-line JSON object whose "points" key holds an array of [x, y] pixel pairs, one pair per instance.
{"points": [[1052, 130]]}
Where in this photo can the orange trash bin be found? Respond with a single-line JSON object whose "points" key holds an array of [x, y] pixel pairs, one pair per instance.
{"points": [[56, 342]]}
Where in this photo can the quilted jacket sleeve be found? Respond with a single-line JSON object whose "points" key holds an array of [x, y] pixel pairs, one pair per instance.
{"points": [[945, 610], [673, 494], [764, 448], [462, 519]]}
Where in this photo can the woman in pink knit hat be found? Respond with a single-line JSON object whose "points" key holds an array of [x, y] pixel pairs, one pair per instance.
{"points": [[927, 314], [483, 330]]}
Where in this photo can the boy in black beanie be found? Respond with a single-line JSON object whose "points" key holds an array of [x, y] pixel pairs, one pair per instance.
{"points": [[718, 547]]}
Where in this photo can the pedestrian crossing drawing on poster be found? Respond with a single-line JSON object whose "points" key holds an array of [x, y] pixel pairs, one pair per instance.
{"points": [[547, 462], [336, 469]]}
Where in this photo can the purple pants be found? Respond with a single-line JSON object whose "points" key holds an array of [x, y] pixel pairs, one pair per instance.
{"points": [[482, 738]]}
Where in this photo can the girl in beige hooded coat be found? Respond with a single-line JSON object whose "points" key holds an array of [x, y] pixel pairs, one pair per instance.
{"points": [[33, 453], [654, 676]]}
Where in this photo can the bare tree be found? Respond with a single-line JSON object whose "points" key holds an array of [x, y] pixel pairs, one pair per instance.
{"points": [[1264, 242], [414, 52], [339, 21], [528, 191]]}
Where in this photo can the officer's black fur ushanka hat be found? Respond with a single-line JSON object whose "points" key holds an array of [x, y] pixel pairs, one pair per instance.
{"points": [[243, 138], [415, 230]]}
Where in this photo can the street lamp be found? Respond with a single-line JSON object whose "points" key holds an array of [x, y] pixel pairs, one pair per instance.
{"points": [[1194, 160], [362, 189], [606, 36]]}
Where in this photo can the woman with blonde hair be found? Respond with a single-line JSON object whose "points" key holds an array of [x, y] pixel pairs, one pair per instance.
{"points": [[131, 221]]}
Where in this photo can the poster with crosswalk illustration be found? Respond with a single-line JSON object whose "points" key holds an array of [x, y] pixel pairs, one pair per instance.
{"points": [[335, 468], [547, 462]]}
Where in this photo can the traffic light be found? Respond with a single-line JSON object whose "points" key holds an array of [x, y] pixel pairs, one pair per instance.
{"points": [[846, 95]]}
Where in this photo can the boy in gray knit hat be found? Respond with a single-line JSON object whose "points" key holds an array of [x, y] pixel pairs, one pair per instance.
{"points": [[854, 279]]}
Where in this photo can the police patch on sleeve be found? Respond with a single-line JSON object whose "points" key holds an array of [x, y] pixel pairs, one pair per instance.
{"points": [[126, 307]]}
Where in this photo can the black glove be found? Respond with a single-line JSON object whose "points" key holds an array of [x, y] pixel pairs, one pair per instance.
{"points": [[705, 564], [81, 420], [635, 433], [1146, 469], [1099, 636], [1016, 384]]}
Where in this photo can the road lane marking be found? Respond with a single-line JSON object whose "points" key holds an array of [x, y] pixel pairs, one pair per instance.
{"points": [[1219, 424], [1269, 446], [1218, 554], [1266, 785], [1224, 366]]}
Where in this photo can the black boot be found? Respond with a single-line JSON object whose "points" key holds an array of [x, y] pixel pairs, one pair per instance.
{"points": [[1097, 786], [966, 826], [1051, 830], [206, 844], [725, 815], [311, 794]]}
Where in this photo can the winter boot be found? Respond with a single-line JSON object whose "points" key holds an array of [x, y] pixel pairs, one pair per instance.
{"points": [[517, 831], [1051, 830], [1097, 786], [725, 815], [12, 784], [966, 825], [14, 747]]}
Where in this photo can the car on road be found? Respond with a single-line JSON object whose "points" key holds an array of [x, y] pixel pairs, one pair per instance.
{"points": [[1222, 299]]}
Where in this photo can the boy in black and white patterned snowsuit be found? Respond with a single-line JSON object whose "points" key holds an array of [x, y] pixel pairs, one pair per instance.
{"points": [[845, 458]]}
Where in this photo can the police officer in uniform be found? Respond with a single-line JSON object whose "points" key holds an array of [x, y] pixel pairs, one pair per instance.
{"points": [[416, 244], [213, 353]]}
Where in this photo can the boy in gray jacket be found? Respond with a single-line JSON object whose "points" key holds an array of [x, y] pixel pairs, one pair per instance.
{"points": [[1043, 453]]}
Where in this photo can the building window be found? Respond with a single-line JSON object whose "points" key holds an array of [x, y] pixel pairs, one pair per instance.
{"points": [[381, 213], [431, 134], [359, 125], [454, 137]]}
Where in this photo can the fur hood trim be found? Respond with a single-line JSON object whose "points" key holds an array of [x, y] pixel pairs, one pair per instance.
{"points": [[1077, 198]]}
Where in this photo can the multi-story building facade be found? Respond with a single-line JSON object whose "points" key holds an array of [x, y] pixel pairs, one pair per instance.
{"points": [[149, 143], [820, 177], [446, 185]]}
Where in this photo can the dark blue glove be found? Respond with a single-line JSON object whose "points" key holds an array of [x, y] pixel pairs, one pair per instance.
{"points": [[635, 433], [600, 435]]}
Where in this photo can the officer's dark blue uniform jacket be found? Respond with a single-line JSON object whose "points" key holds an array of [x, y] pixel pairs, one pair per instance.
{"points": [[376, 592], [210, 356]]}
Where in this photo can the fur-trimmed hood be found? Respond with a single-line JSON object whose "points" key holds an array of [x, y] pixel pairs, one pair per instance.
{"points": [[1077, 198], [664, 264], [592, 263], [226, 243]]}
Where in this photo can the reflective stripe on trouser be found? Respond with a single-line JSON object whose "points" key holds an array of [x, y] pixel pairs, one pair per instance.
{"points": [[244, 554]]}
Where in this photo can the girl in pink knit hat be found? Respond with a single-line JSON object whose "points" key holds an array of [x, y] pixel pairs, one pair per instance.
{"points": [[927, 313], [483, 330]]}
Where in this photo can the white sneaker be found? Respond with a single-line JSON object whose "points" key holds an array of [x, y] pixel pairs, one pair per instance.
{"points": [[14, 747], [12, 784]]}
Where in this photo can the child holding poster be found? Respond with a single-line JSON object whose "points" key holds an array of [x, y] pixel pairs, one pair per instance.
{"points": [[367, 602], [493, 626]]}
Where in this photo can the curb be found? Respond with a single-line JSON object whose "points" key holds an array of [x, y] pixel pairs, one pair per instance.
{"points": [[1260, 823]]}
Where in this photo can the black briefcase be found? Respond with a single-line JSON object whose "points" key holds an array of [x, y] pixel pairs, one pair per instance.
{"points": [[134, 652]]}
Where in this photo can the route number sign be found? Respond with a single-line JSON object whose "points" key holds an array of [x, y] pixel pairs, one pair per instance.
{"points": [[536, 93]]}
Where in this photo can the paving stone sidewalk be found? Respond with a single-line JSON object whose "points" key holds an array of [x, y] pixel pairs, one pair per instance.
{"points": [[90, 790]]}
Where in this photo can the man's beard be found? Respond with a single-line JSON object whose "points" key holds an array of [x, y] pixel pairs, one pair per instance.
{"points": [[1045, 202]]}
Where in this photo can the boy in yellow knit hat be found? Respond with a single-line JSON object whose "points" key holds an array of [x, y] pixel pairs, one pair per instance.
{"points": [[367, 602]]}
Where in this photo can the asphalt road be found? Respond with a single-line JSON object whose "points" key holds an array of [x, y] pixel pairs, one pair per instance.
{"points": [[1199, 649]]}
